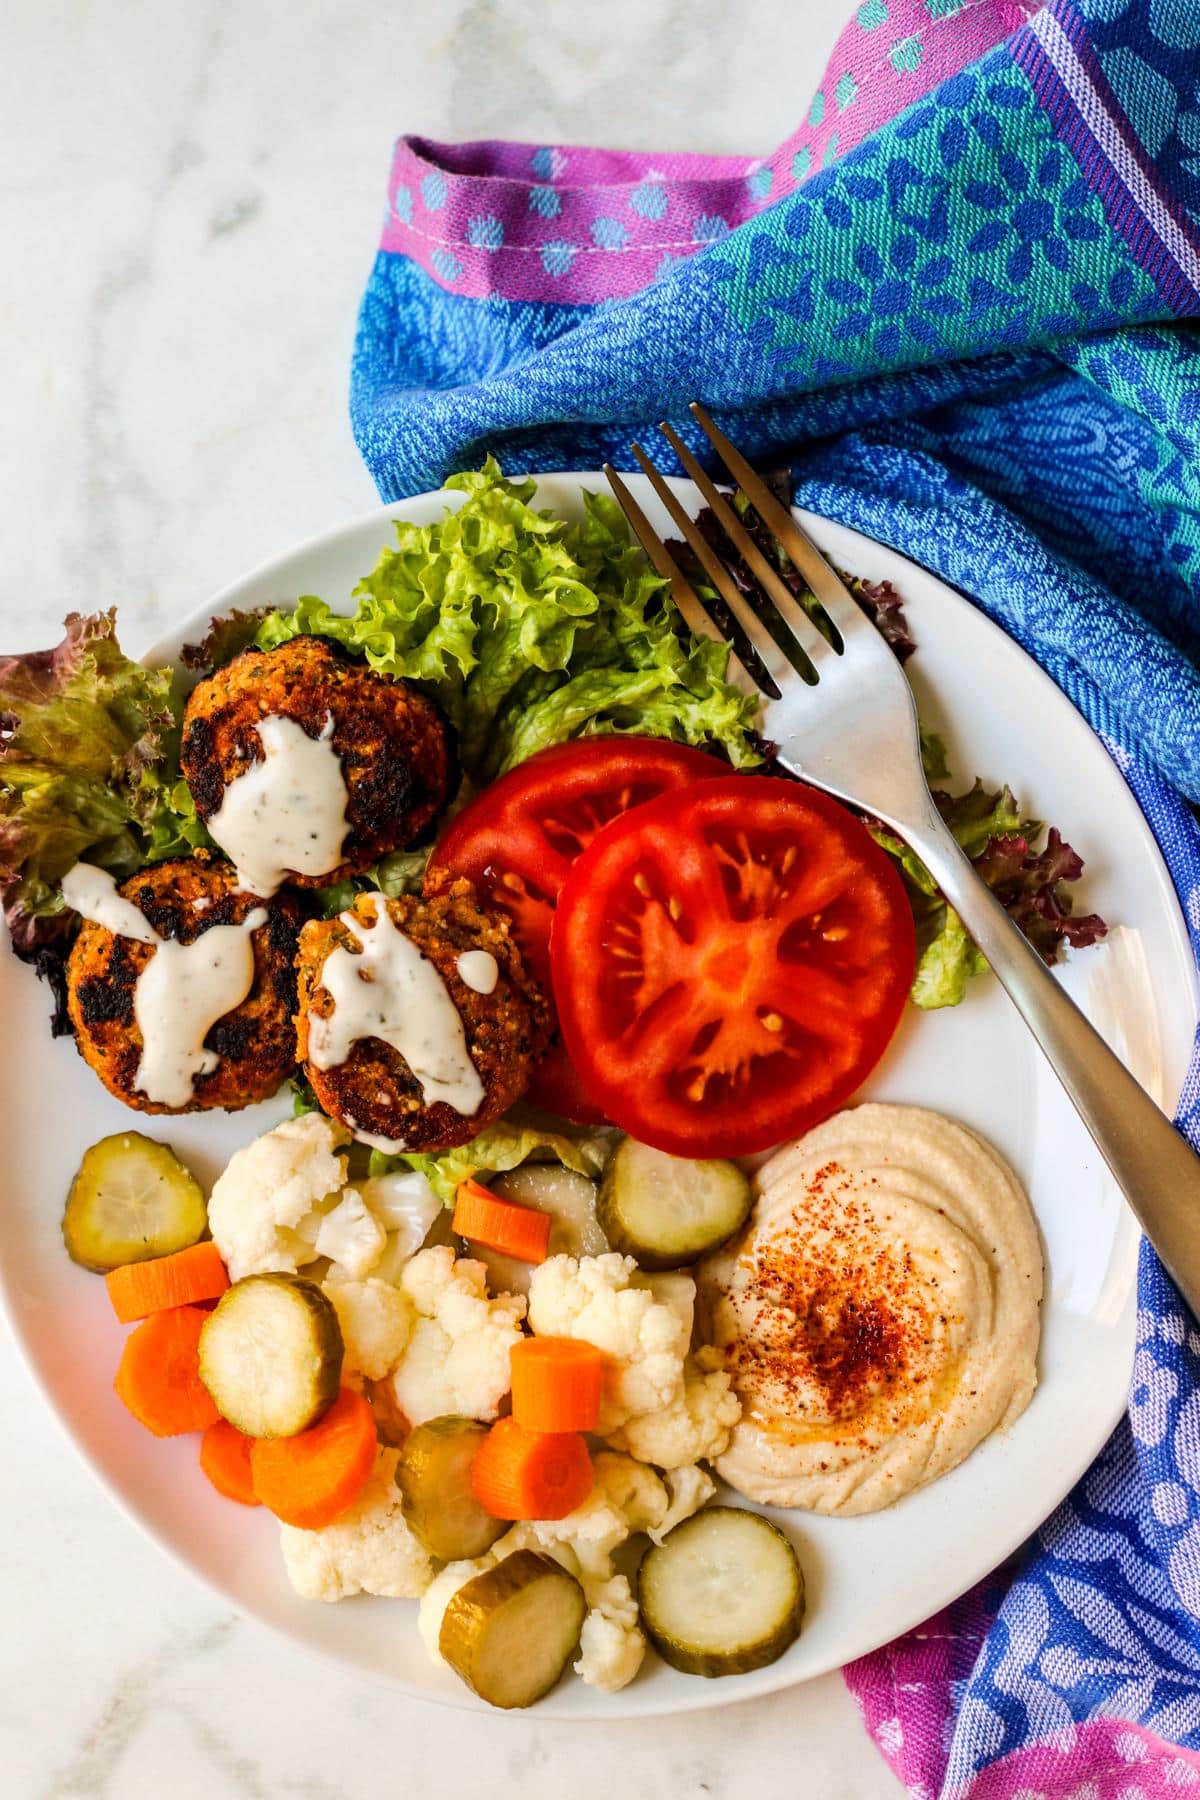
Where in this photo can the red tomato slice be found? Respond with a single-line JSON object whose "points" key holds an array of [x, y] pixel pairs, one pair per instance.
{"points": [[730, 964], [517, 841]]}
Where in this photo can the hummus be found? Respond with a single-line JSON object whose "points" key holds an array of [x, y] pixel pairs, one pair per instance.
{"points": [[879, 1314]]}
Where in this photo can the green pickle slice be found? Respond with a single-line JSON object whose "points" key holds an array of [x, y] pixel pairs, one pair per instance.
{"points": [[131, 1199], [510, 1632], [722, 1594], [271, 1355], [433, 1474]]}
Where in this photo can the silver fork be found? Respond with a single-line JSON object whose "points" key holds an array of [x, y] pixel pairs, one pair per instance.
{"points": [[848, 724]]}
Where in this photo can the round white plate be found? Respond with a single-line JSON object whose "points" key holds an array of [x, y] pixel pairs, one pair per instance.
{"points": [[868, 1578]]}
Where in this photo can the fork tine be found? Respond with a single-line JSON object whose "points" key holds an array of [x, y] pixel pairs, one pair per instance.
{"points": [[682, 592], [774, 662], [798, 622], [827, 585]]}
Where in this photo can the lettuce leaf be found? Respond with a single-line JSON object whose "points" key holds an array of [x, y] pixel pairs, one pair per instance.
{"points": [[83, 733], [1030, 885], [946, 959], [529, 630], [502, 1146]]}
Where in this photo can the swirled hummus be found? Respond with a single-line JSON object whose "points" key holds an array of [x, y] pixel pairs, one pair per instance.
{"points": [[879, 1314]]}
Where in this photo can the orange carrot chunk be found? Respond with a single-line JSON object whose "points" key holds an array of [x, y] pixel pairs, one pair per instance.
{"points": [[485, 1218], [225, 1459], [158, 1378], [311, 1479], [519, 1474], [139, 1289], [556, 1384]]}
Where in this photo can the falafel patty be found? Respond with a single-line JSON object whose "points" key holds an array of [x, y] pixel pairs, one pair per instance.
{"points": [[374, 1092], [396, 750], [256, 1042]]}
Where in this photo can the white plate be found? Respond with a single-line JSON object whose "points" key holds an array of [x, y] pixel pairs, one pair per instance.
{"points": [[868, 1578]]}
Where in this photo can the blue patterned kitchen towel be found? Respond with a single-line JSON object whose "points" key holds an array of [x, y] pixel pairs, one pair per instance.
{"points": [[959, 301]]}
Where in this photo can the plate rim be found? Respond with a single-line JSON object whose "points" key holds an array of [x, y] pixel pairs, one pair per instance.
{"points": [[775, 1678]]}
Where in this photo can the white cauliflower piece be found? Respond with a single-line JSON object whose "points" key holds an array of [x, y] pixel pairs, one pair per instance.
{"points": [[674, 1288], [268, 1188], [458, 1356], [598, 1300], [696, 1424], [525, 1536], [632, 1489], [351, 1237], [405, 1205], [437, 1597], [691, 1488], [611, 1644], [369, 1550], [376, 1321]]}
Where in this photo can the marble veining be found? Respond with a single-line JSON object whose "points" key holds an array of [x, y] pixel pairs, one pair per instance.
{"points": [[189, 200]]}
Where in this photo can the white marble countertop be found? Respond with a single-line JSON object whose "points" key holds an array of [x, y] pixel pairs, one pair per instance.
{"points": [[189, 202]]}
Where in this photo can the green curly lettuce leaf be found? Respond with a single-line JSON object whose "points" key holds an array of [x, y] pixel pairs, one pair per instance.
{"points": [[528, 630], [85, 737]]}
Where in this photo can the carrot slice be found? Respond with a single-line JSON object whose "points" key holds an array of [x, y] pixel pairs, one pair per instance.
{"points": [[485, 1218], [225, 1459], [519, 1474], [159, 1374], [139, 1289], [556, 1384], [309, 1480]]}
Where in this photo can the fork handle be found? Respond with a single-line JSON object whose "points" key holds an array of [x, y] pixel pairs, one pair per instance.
{"points": [[1154, 1166]]}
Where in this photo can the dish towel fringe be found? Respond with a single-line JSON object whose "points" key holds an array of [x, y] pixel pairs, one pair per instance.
{"points": [[959, 301]]}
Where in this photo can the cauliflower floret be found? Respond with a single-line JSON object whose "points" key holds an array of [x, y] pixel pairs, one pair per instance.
{"points": [[376, 1320], [696, 1424], [691, 1488], [596, 1299], [268, 1188], [405, 1205], [351, 1237], [634, 1490], [457, 1360], [611, 1645], [674, 1288], [370, 1549], [437, 1597]]}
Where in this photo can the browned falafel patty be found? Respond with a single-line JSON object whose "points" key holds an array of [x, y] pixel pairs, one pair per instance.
{"points": [[396, 750], [256, 1042], [374, 1091]]}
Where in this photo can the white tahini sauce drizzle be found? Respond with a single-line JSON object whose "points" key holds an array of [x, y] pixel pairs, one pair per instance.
{"points": [[180, 994], [479, 970], [92, 893], [183, 990], [391, 991], [389, 1146], [286, 814]]}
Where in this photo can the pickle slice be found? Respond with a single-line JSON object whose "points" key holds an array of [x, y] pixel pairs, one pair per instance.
{"points": [[131, 1199], [722, 1594], [668, 1211], [433, 1473], [510, 1632], [271, 1355]]}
